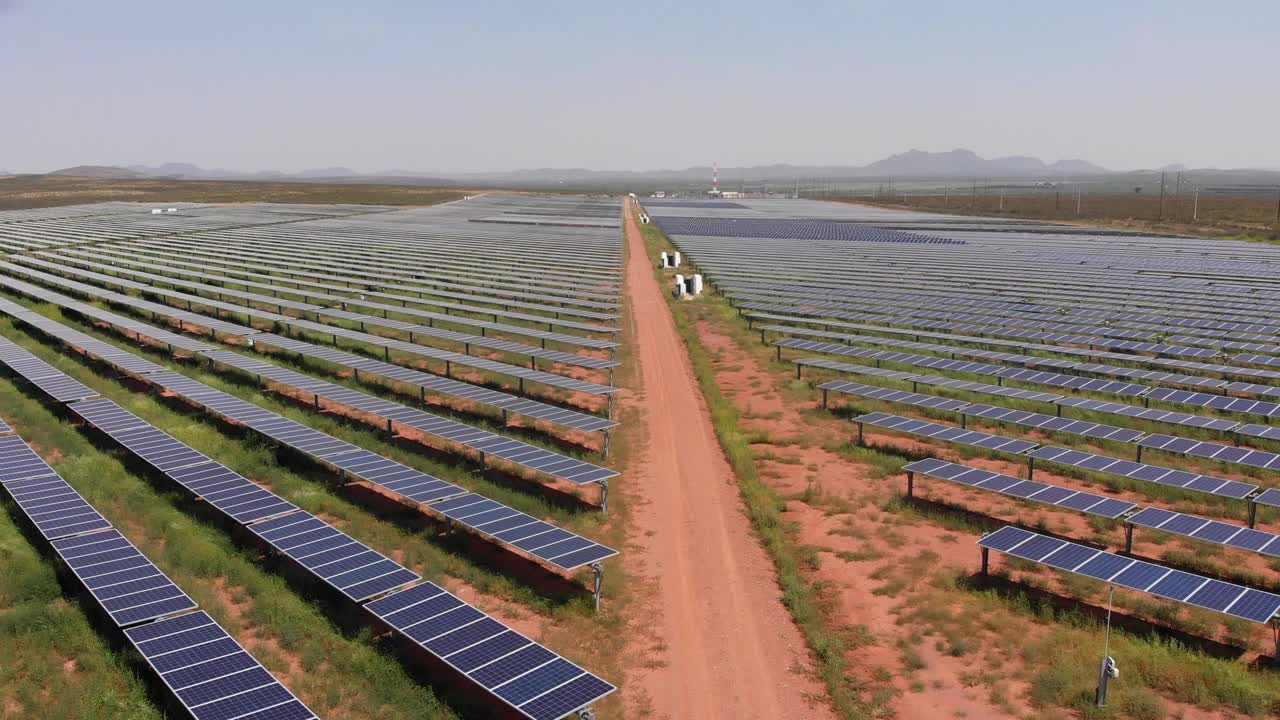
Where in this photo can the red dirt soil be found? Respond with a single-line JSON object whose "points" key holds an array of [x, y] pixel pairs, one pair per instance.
{"points": [[713, 639]]}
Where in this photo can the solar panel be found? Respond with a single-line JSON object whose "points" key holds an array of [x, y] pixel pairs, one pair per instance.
{"points": [[946, 432], [1208, 530], [1268, 432], [514, 451], [1165, 416], [4, 427], [211, 674], [1053, 423], [520, 673], [1227, 598], [540, 539], [896, 396], [242, 499], [987, 388], [52, 381], [792, 229], [52, 506], [1268, 497], [346, 565], [1147, 473], [446, 386], [825, 364], [1075, 382], [1217, 402], [1212, 451], [143, 366], [128, 586], [1020, 488]]}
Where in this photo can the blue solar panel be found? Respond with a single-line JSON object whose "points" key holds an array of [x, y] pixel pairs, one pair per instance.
{"points": [[514, 451], [124, 582], [896, 396], [1208, 530], [1052, 423], [1147, 473], [1040, 492], [946, 432], [528, 678], [793, 229], [211, 674], [348, 566], [1212, 451], [1227, 598], [243, 500]]}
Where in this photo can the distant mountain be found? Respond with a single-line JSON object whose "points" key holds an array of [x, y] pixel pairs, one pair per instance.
{"points": [[967, 162], [1077, 167], [911, 165], [919, 162], [329, 172], [97, 171]]}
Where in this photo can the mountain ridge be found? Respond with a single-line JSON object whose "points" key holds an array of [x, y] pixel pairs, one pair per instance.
{"points": [[913, 163]]}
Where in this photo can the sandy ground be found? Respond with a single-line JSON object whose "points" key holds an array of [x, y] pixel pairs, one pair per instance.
{"points": [[712, 639]]}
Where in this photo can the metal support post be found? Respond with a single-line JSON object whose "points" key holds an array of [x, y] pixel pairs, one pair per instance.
{"points": [[1031, 467], [605, 448], [1139, 456], [986, 559], [1253, 514], [860, 435], [779, 349], [597, 581], [824, 394], [604, 495], [1128, 538], [911, 484]]}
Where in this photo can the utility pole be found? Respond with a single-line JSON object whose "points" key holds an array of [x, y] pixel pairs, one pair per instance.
{"points": [[973, 200], [1195, 206], [1278, 208], [1177, 199], [1077, 198], [1002, 199], [946, 196], [1160, 213]]}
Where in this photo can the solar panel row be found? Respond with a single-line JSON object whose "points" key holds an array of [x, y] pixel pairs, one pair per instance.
{"points": [[1223, 597], [139, 598], [514, 451], [1020, 488]]}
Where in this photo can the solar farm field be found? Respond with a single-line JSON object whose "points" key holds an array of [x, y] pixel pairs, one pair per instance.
{"points": [[279, 462], [964, 440]]}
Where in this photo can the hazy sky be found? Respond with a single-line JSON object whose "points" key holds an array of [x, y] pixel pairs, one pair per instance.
{"points": [[639, 85]]}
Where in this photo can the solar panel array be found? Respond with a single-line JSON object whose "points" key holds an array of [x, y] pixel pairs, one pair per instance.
{"points": [[1112, 334], [210, 674], [526, 678]]}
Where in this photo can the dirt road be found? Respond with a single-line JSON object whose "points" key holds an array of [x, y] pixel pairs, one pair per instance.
{"points": [[712, 639]]}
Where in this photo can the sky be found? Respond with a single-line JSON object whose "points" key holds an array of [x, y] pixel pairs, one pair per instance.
{"points": [[484, 86]]}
